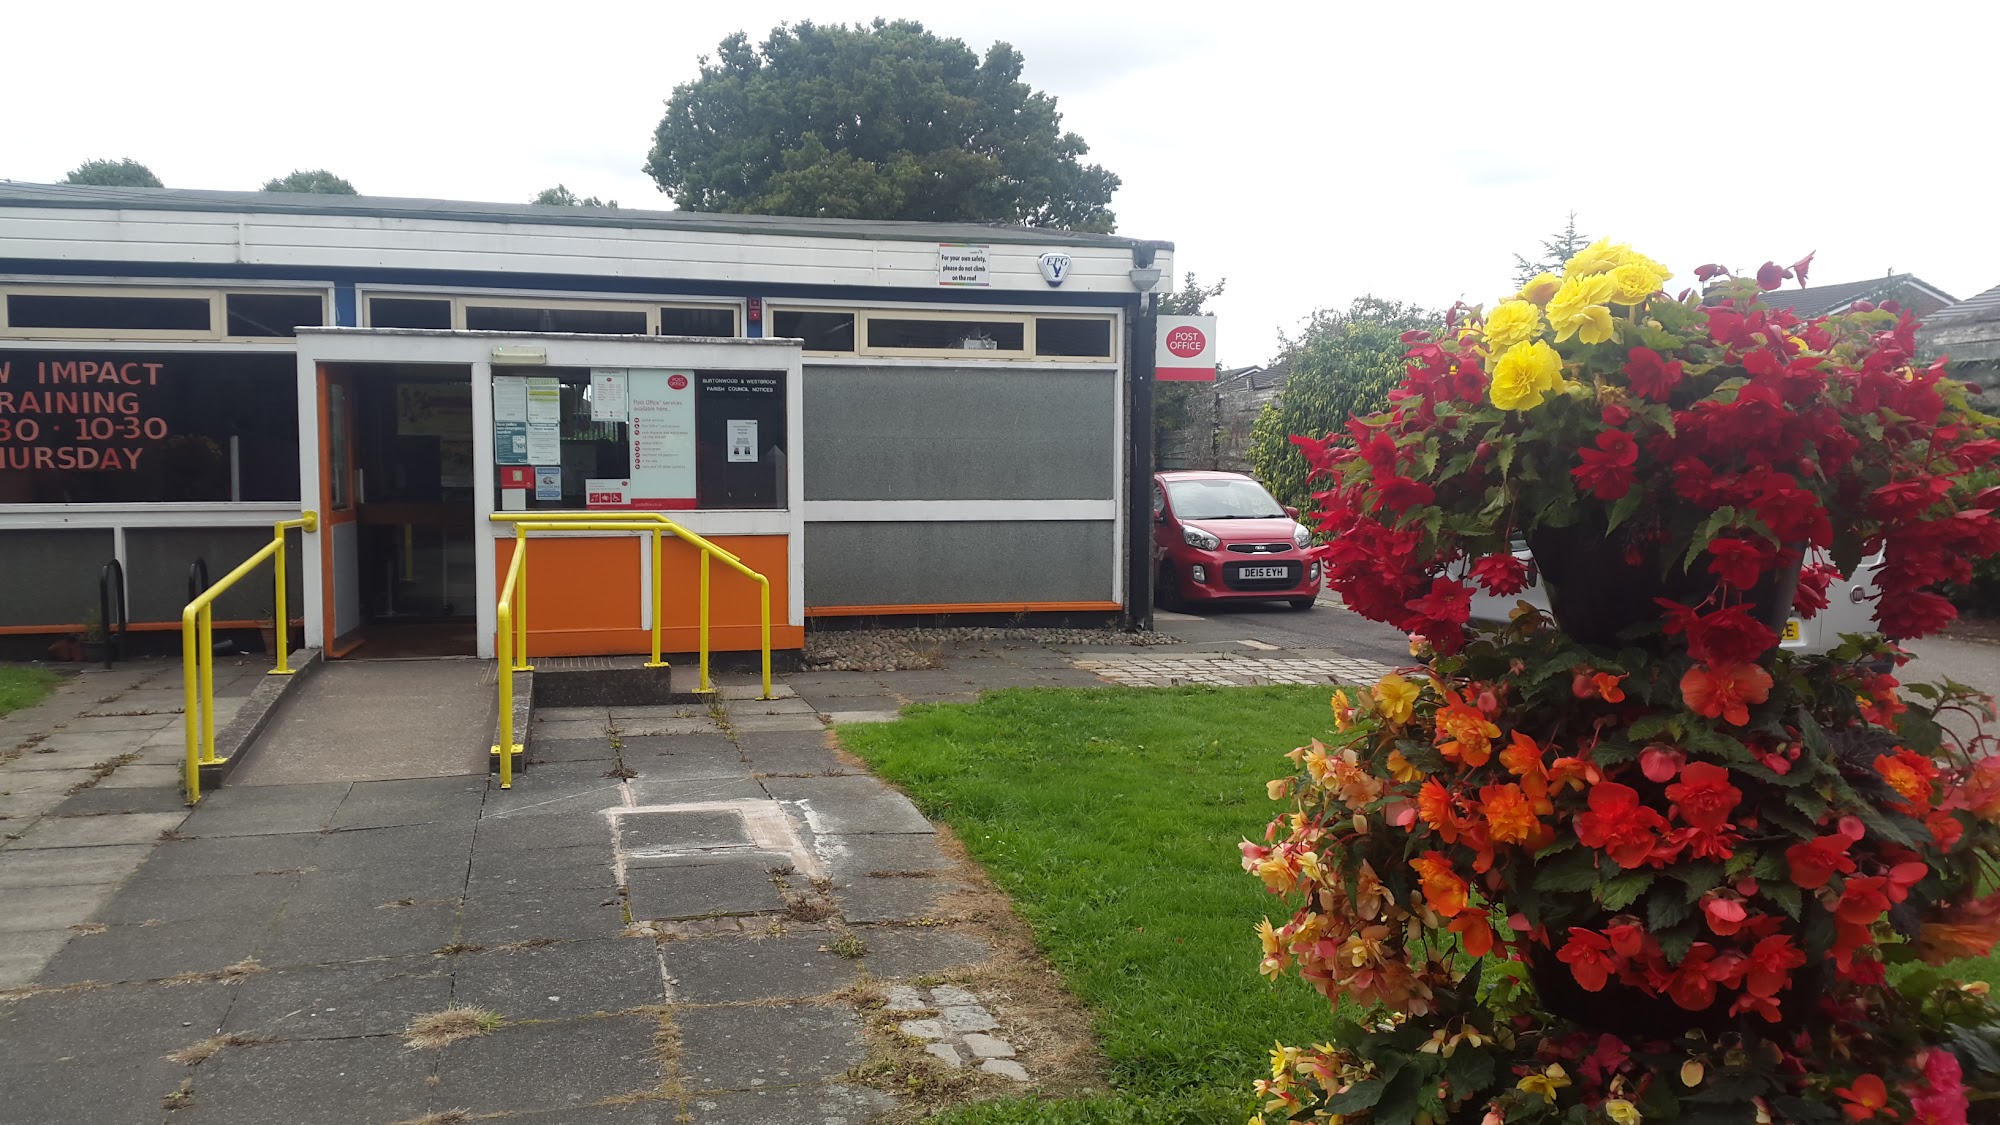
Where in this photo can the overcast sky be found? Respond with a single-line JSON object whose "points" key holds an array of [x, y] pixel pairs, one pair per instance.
{"points": [[1309, 153]]}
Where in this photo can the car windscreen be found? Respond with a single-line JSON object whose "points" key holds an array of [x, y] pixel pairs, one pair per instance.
{"points": [[1222, 499]]}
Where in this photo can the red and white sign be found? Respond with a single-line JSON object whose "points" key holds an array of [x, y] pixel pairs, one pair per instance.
{"points": [[1186, 350]]}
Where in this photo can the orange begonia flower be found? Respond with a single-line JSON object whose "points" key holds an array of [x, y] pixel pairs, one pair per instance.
{"points": [[1464, 735], [1444, 889], [1725, 692], [1607, 687], [1509, 819], [1865, 1098], [1475, 931]]}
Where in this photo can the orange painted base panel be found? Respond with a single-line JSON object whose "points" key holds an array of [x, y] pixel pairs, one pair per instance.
{"points": [[629, 642]]}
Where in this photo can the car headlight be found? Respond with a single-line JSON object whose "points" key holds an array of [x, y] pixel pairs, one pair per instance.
{"points": [[1196, 537], [1301, 536]]}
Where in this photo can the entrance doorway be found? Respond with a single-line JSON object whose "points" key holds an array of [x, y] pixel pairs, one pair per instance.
{"points": [[398, 480]]}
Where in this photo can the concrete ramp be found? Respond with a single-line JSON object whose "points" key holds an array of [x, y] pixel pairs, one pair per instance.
{"points": [[378, 721]]}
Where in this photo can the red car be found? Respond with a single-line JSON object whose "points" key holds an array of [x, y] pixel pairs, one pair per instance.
{"points": [[1221, 537]]}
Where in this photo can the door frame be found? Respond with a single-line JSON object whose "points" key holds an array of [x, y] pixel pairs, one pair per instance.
{"points": [[334, 644], [519, 353]]}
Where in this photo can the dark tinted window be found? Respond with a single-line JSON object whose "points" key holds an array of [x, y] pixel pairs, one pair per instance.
{"points": [[152, 314], [957, 335], [503, 318], [403, 312], [697, 322], [264, 314], [1089, 338], [821, 331], [122, 427]]}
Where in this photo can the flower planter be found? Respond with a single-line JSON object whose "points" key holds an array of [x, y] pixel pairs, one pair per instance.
{"points": [[1597, 590]]}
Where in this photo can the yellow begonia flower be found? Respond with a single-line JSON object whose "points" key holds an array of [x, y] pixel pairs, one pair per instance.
{"points": [[1524, 374], [1401, 769], [1621, 1111], [1398, 698], [1601, 256], [1513, 322], [1633, 282], [1538, 291], [1546, 1083], [1578, 309]]}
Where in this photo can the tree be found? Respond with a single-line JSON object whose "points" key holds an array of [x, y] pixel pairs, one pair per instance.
{"points": [[1344, 364], [560, 196], [319, 181], [1174, 403], [113, 173], [1555, 252], [882, 121]]}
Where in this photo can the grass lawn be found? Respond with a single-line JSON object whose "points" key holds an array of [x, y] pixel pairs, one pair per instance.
{"points": [[24, 685], [1112, 816]]}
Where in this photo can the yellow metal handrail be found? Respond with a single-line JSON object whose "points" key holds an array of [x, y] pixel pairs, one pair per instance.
{"points": [[198, 649], [511, 610]]}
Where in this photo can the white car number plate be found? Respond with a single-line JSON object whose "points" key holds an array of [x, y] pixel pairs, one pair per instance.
{"points": [[1264, 572]]}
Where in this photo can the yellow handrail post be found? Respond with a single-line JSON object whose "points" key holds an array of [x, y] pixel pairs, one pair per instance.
{"points": [[190, 719], [279, 617], [766, 634], [659, 588], [207, 654], [504, 618], [521, 603], [704, 624]]}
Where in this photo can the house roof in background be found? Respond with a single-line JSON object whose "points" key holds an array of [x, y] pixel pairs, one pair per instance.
{"points": [[13, 194], [1815, 300], [1977, 309]]}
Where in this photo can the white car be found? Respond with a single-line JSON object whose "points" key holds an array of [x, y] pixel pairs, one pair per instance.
{"points": [[1850, 606]]}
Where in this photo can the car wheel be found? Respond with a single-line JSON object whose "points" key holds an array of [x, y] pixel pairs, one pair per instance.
{"points": [[1302, 603], [1167, 591]]}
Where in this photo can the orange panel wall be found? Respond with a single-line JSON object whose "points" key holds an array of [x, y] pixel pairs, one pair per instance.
{"points": [[583, 595]]}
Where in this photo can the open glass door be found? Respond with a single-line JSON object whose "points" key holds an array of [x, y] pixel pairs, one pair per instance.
{"points": [[339, 531]]}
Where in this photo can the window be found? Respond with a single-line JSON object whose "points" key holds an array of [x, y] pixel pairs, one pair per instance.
{"points": [[727, 451], [821, 331], [509, 318], [1065, 336], [399, 312], [506, 314], [272, 314], [73, 312], [923, 333], [886, 333], [142, 314], [697, 322], [130, 427]]}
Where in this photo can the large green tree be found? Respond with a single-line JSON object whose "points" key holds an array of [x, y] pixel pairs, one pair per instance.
{"points": [[1343, 364], [113, 173], [877, 121], [319, 181], [560, 196]]}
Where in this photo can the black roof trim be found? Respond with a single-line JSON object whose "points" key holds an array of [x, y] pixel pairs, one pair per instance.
{"points": [[15, 194]]}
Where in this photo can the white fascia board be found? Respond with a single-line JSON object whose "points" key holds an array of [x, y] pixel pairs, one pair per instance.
{"points": [[22, 517], [365, 242], [955, 511]]}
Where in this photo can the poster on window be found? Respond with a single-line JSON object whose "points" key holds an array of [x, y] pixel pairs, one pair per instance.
{"points": [[661, 406]]}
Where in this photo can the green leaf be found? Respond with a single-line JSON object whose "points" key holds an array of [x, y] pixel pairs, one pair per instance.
{"points": [[1675, 943], [1572, 871], [1624, 506], [1624, 890], [1706, 533], [1398, 1103], [1664, 909], [1470, 1071], [1362, 1095], [1700, 878], [1784, 894]]}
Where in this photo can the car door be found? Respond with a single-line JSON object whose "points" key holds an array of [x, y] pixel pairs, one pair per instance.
{"points": [[1165, 535]]}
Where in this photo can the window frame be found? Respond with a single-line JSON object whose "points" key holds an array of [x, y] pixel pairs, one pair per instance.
{"points": [[216, 296], [1027, 319], [461, 300]]}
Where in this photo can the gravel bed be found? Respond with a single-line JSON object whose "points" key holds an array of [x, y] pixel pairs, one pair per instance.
{"points": [[897, 650]]}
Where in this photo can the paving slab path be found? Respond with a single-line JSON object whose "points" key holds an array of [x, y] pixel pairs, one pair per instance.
{"points": [[89, 779], [696, 923]]}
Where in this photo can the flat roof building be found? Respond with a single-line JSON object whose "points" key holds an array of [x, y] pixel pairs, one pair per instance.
{"points": [[883, 417]]}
